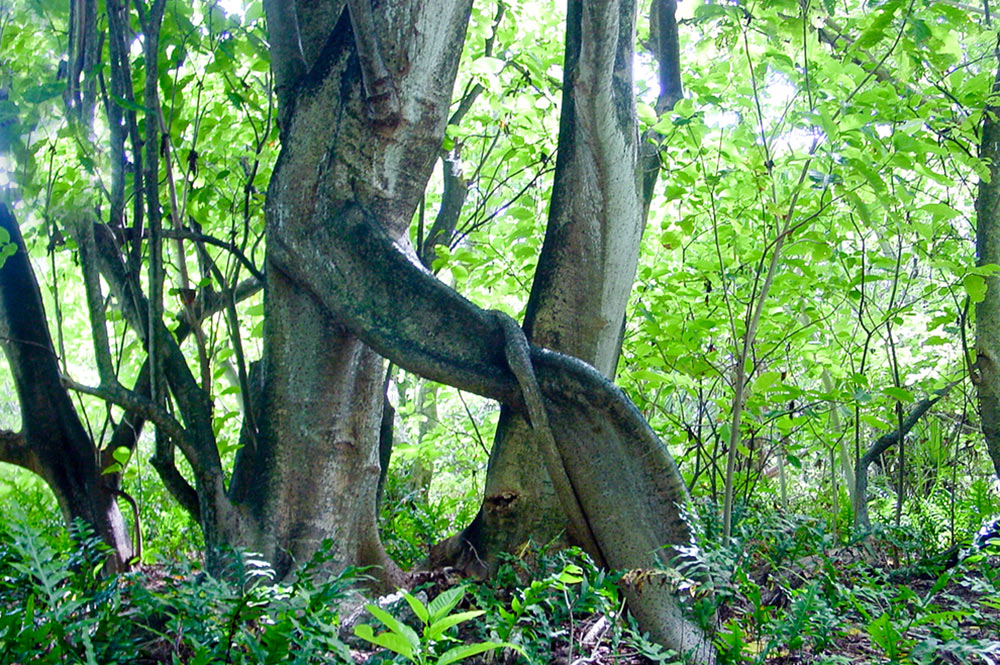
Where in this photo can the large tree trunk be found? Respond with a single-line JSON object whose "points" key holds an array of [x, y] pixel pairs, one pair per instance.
{"points": [[601, 441], [52, 442], [338, 237], [348, 255], [987, 368], [583, 279], [311, 470]]}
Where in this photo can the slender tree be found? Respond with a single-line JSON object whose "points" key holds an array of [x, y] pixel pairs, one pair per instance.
{"points": [[986, 371]]}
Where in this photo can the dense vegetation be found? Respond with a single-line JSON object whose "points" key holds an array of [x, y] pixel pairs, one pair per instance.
{"points": [[806, 334]]}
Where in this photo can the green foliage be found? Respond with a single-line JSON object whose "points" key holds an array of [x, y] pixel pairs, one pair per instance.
{"points": [[867, 147], [776, 591], [55, 607], [553, 603], [782, 587], [437, 619]]}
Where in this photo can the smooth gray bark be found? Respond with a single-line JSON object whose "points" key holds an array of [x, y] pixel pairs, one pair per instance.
{"points": [[587, 265], [343, 247], [362, 118]]}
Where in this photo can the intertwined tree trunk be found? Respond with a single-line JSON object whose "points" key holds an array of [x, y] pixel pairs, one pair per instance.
{"points": [[585, 272], [344, 247], [363, 102]]}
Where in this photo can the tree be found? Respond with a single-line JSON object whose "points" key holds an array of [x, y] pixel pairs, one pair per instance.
{"points": [[600, 199], [802, 273], [986, 372], [52, 441], [363, 101]]}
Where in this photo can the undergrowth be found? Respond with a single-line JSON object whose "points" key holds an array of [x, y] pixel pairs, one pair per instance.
{"points": [[782, 591]]}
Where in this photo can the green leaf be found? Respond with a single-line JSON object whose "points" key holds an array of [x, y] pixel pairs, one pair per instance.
{"points": [[829, 126], [975, 286], [394, 624], [436, 629], [43, 92], [571, 574], [765, 381], [986, 270], [418, 607], [390, 641], [898, 393], [445, 602], [646, 113], [122, 455], [940, 211], [129, 105], [876, 31], [467, 650], [487, 66]]}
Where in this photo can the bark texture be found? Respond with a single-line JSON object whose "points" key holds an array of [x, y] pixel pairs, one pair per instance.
{"points": [[339, 240], [987, 368], [584, 275], [378, 290], [52, 442], [577, 304], [363, 108]]}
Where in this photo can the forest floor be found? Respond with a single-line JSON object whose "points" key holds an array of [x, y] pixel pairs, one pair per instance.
{"points": [[857, 604], [905, 612], [932, 616]]}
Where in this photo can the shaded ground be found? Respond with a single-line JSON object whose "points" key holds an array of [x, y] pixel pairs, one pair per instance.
{"points": [[848, 605]]}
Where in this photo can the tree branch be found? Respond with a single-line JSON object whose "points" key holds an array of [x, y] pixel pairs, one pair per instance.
{"points": [[377, 80], [14, 449], [190, 398], [183, 234], [287, 59], [120, 396], [889, 439], [987, 365], [197, 441], [176, 484], [666, 41]]}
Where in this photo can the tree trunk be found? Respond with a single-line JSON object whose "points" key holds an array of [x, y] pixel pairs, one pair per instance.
{"points": [[363, 107], [986, 374], [882, 444], [621, 478], [311, 471], [339, 238], [586, 268], [52, 442], [583, 279]]}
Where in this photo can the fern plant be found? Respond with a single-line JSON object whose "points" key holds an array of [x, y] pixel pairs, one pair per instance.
{"points": [[54, 606]]}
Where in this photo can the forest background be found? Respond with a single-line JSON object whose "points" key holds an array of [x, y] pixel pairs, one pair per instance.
{"points": [[813, 224]]}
